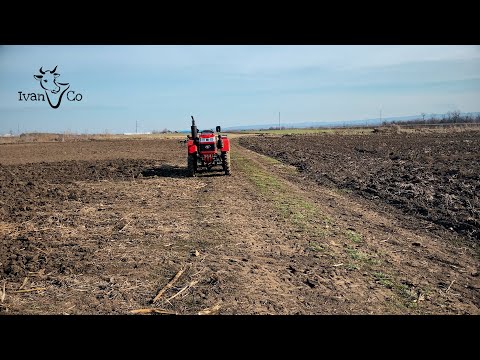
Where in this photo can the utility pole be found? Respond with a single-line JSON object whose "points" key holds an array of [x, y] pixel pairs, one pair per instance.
{"points": [[136, 126], [380, 115], [279, 120]]}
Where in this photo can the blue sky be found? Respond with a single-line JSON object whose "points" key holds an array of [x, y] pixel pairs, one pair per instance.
{"points": [[159, 87]]}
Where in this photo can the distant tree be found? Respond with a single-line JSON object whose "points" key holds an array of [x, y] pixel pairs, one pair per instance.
{"points": [[423, 116], [456, 115], [164, 131]]}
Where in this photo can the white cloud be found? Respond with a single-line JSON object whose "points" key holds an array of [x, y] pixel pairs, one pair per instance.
{"points": [[230, 58]]}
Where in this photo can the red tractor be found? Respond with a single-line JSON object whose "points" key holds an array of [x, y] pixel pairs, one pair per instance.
{"points": [[205, 150]]}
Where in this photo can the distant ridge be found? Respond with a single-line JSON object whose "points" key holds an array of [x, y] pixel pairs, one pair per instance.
{"points": [[369, 122]]}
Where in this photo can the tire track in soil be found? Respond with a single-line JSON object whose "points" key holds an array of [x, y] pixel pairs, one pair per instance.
{"points": [[242, 263], [297, 278]]}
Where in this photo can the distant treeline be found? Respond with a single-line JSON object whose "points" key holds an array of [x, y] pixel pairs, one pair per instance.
{"points": [[164, 131], [277, 128], [453, 117]]}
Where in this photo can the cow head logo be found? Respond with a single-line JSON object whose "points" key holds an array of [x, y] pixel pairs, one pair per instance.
{"points": [[48, 82]]}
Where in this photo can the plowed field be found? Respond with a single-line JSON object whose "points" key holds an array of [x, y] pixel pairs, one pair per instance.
{"points": [[102, 227]]}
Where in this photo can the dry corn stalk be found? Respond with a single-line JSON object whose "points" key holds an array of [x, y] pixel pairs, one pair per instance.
{"points": [[169, 285], [210, 311], [155, 310], [2, 294]]}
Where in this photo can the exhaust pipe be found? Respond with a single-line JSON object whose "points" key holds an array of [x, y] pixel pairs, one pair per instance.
{"points": [[194, 129]]}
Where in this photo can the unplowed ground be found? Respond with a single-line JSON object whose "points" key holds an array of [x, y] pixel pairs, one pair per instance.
{"points": [[101, 227]]}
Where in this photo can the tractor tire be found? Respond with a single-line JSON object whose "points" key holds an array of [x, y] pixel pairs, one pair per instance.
{"points": [[192, 165], [226, 163]]}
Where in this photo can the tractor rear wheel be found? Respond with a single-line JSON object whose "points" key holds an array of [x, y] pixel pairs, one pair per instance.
{"points": [[226, 162], [192, 165]]}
